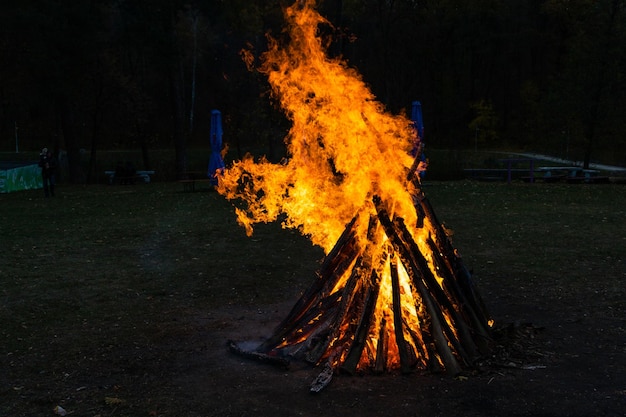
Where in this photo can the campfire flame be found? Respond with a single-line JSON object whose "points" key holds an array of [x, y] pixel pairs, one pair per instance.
{"points": [[349, 163], [343, 147]]}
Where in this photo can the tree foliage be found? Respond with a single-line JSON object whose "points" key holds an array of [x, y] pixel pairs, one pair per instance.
{"points": [[105, 74]]}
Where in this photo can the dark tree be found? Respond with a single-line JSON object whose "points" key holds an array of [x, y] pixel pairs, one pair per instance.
{"points": [[110, 74]]}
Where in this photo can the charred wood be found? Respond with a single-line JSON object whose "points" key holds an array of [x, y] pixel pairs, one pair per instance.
{"points": [[274, 360], [421, 353], [335, 264], [382, 347], [344, 253], [476, 300], [353, 301], [462, 312], [310, 329], [444, 298], [356, 350], [467, 304], [403, 348], [347, 294], [323, 379], [412, 175], [439, 327], [462, 276]]}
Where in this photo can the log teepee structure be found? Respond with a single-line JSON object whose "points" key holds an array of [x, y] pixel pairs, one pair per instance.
{"points": [[385, 302]]}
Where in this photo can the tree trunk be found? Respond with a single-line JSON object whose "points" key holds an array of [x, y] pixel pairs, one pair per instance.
{"points": [[71, 145], [178, 107], [598, 95], [92, 175], [145, 155]]}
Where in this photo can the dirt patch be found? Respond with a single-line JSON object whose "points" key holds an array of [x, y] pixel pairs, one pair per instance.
{"points": [[568, 369], [552, 362]]}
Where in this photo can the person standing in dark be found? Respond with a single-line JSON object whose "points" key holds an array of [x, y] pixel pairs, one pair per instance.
{"points": [[48, 165]]}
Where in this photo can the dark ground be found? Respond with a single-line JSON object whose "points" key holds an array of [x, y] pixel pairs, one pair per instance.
{"points": [[162, 351], [570, 366]]}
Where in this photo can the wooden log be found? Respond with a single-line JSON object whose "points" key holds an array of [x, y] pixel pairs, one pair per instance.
{"points": [[312, 326], [472, 302], [437, 331], [437, 325], [412, 175], [420, 216], [347, 295], [443, 242], [345, 248], [288, 328], [463, 314], [356, 350], [403, 348], [423, 338], [475, 300], [323, 379], [353, 298], [421, 353], [478, 332], [381, 349], [441, 298], [349, 323], [274, 360], [336, 263], [462, 277], [372, 230]]}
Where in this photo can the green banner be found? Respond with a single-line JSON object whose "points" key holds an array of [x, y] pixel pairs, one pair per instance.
{"points": [[20, 178]]}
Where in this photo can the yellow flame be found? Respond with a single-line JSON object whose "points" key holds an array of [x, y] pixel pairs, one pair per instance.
{"points": [[343, 146]]}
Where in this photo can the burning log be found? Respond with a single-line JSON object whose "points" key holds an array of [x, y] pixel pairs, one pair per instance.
{"points": [[336, 336], [352, 300], [392, 293], [360, 335], [334, 265], [403, 350], [348, 322], [381, 349], [423, 281]]}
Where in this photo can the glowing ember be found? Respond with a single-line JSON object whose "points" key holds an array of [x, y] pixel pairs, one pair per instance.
{"points": [[386, 296]]}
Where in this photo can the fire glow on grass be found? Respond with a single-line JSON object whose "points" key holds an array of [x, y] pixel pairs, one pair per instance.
{"points": [[349, 168]]}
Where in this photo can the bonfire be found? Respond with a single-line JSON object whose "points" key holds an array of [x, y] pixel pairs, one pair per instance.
{"points": [[392, 293]]}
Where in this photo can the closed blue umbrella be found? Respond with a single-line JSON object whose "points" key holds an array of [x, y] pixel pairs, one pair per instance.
{"points": [[216, 163], [418, 124]]}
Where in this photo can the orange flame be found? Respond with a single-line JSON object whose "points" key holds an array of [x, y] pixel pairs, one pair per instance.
{"points": [[343, 146], [343, 149]]}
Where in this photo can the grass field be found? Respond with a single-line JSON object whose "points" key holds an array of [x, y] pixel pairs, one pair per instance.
{"points": [[105, 290]]}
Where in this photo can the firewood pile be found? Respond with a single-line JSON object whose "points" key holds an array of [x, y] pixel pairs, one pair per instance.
{"points": [[385, 303]]}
